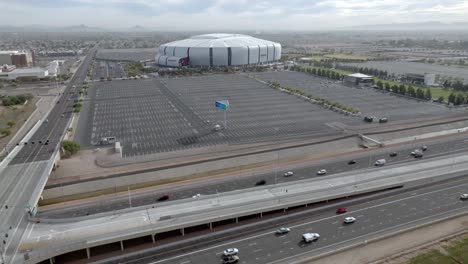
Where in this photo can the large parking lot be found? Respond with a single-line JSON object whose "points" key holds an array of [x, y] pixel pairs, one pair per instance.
{"points": [[162, 115], [106, 69], [369, 101]]}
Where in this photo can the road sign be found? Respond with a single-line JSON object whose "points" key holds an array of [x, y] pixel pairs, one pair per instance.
{"points": [[223, 105]]}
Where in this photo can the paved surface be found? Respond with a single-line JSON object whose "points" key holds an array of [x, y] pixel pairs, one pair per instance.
{"points": [[152, 115], [372, 219], [52, 238], [127, 54], [369, 101], [107, 69], [243, 181]]}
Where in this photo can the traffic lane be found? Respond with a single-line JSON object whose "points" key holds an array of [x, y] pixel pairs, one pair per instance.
{"points": [[370, 219], [240, 182]]}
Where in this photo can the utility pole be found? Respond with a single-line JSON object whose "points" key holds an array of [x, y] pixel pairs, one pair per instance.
{"points": [[129, 197]]}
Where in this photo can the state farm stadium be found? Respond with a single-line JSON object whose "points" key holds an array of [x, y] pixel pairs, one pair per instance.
{"points": [[218, 50]]}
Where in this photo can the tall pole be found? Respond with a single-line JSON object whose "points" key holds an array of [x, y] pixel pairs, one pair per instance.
{"points": [[225, 124], [129, 197]]}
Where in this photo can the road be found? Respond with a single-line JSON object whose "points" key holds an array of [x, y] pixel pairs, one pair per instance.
{"points": [[372, 219], [436, 148], [24, 173]]}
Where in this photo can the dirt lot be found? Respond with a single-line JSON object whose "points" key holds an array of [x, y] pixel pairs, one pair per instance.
{"points": [[19, 114]]}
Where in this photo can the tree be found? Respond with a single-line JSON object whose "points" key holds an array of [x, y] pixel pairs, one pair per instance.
{"points": [[428, 94], [451, 98], [460, 99], [441, 99], [380, 84], [11, 123], [314, 71], [394, 88], [411, 91], [5, 132], [402, 89], [388, 87], [70, 148], [420, 93]]}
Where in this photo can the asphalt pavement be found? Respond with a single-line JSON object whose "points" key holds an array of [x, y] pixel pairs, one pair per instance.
{"points": [[241, 181], [373, 219]]}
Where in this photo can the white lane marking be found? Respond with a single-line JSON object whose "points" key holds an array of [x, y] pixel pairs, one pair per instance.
{"points": [[185, 262], [287, 242], [253, 244], [257, 250], [314, 221], [336, 222]]}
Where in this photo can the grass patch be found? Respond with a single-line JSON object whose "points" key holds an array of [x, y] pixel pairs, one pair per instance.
{"points": [[342, 56], [435, 91], [431, 257]]}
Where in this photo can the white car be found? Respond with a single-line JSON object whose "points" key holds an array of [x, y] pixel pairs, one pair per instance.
{"points": [[288, 174], [349, 220], [415, 152], [196, 195], [380, 162], [322, 172], [230, 252], [283, 230], [464, 196], [309, 237], [230, 259]]}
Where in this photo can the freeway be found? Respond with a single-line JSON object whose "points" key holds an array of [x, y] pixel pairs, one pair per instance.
{"points": [[436, 148], [373, 218], [26, 171], [50, 238]]}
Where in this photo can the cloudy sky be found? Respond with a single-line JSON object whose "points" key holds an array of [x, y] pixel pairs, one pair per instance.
{"points": [[230, 14]]}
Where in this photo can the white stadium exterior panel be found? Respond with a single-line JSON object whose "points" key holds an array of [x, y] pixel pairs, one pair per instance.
{"points": [[213, 50], [220, 56], [239, 56], [254, 53]]}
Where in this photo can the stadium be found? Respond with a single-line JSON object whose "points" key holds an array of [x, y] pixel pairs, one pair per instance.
{"points": [[218, 50]]}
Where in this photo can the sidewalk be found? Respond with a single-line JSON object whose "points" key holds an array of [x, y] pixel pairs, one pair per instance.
{"points": [[399, 249]]}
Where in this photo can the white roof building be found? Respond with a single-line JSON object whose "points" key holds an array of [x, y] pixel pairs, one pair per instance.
{"points": [[38, 73]]}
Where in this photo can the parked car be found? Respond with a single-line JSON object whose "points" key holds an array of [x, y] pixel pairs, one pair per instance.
{"points": [[283, 230], [322, 172], [230, 252], [349, 220], [288, 174], [164, 197], [341, 210], [260, 182]]}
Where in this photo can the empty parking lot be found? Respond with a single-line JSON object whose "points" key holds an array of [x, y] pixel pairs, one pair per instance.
{"points": [[369, 101], [105, 69], [161, 115]]}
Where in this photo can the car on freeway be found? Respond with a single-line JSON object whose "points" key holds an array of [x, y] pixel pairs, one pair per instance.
{"points": [[164, 197], [383, 120], [230, 259], [309, 237], [393, 154], [46, 121], [414, 152], [283, 230], [260, 182], [230, 252], [418, 155], [196, 195], [288, 174], [62, 115], [349, 220], [322, 172], [424, 148], [341, 210], [380, 162], [351, 162], [464, 196]]}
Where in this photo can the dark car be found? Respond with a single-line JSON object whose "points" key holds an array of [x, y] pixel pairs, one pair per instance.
{"points": [[393, 154], [383, 120], [164, 197], [341, 210], [418, 155], [424, 148], [261, 182], [351, 162]]}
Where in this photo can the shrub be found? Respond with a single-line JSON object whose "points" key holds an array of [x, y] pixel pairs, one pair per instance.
{"points": [[70, 148]]}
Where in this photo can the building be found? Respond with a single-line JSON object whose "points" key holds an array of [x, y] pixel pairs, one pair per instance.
{"points": [[17, 58], [218, 50], [419, 79], [53, 68], [61, 53], [358, 79], [29, 74]]}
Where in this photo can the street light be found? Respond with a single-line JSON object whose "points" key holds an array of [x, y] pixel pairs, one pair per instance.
{"points": [[277, 155]]}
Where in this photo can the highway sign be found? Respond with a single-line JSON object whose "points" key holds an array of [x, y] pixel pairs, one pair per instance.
{"points": [[223, 105]]}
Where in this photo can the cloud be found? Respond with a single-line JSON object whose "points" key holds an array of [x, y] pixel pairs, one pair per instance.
{"points": [[229, 14]]}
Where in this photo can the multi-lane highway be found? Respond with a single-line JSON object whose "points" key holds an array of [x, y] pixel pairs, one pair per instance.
{"points": [[373, 219], [436, 148], [25, 172]]}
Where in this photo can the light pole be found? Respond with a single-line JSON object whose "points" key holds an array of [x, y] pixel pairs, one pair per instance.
{"points": [[277, 156], [129, 197]]}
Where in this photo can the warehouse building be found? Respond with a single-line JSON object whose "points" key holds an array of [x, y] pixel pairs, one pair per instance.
{"points": [[218, 50], [358, 79]]}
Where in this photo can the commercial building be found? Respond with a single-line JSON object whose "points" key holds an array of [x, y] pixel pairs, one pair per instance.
{"points": [[218, 50], [358, 79], [17, 58], [25, 74], [419, 79]]}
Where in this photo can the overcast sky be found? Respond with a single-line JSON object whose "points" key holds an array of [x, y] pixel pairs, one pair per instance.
{"points": [[230, 14]]}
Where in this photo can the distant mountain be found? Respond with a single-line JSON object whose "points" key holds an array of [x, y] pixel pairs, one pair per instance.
{"points": [[43, 28], [430, 25], [83, 28]]}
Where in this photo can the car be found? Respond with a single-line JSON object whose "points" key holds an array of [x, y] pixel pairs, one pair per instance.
{"points": [[380, 162], [341, 210], [230, 252], [309, 237], [58, 102], [414, 152], [288, 174], [393, 154], [424, 148], [260, 182], [196, 195], [418, 155], [383, 120], [62, 115], [464, 196], [283, 230], [164, 197], [349, 220], [230, 259], [351, 162], [322, 172], [46, 121]]}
